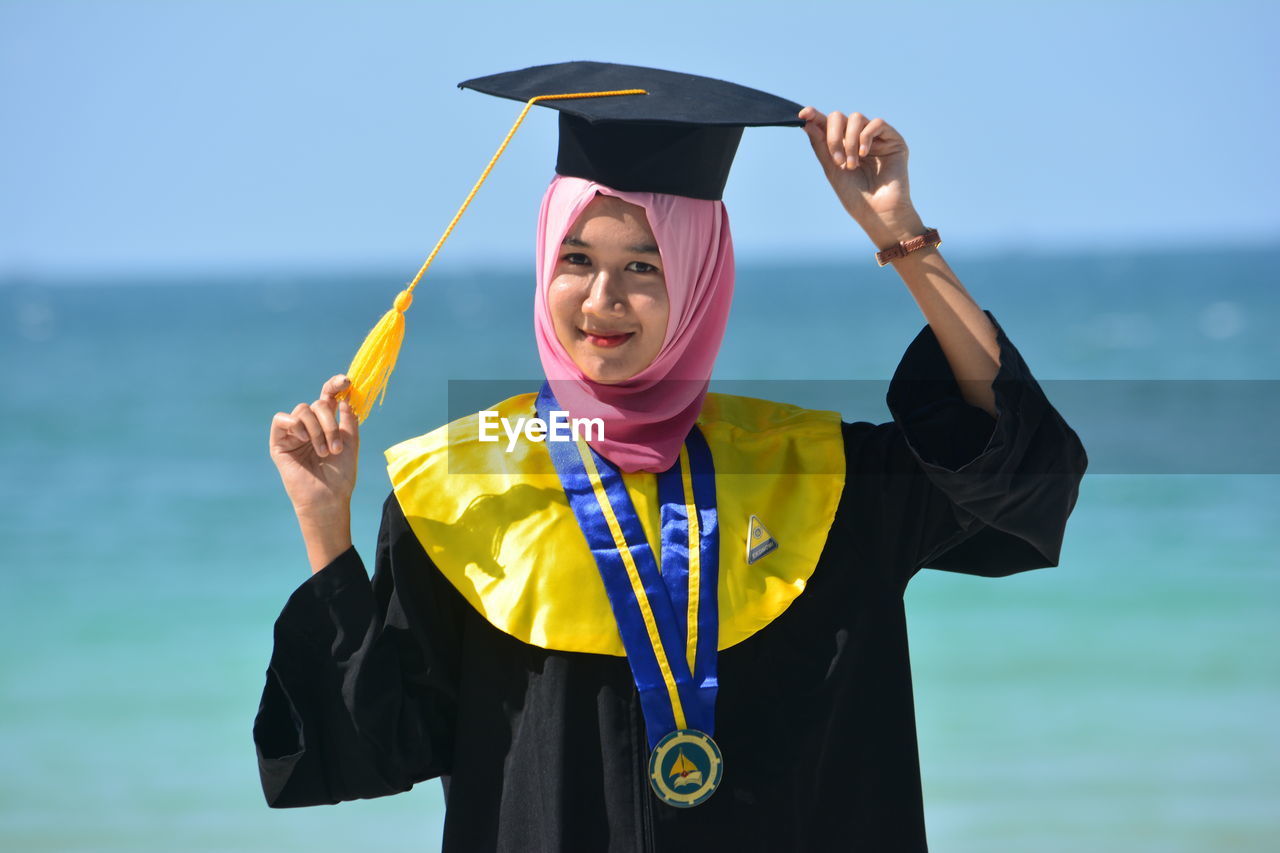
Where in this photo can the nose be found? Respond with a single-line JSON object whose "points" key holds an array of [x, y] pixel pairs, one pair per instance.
{"points": [[604, 295]]}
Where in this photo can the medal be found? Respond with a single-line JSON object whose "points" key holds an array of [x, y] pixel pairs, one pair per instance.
{"points": [[668, 619], [685, 768]]}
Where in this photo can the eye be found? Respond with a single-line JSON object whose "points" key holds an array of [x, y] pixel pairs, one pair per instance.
{"points": [[641, 267], [576, 259]]}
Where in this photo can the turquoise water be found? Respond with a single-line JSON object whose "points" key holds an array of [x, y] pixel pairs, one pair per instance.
{"points": [[1125, 700]]}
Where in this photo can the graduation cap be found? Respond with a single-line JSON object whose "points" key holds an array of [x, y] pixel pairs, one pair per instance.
{"points": [[679, 137], [625, 126]]}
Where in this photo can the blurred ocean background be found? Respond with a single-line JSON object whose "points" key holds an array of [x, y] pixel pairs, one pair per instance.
{"points": [[1126, 700]]}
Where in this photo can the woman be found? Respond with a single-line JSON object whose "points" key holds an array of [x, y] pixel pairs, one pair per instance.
{"points": [[506, 676]]}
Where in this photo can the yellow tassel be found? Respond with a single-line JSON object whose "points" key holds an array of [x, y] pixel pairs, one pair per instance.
{"points": [[371, 368]]}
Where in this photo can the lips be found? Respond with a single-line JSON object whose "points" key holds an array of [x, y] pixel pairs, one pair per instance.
{"points": [[606, 339]]}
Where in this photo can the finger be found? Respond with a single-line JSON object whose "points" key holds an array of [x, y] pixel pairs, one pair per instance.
{"points": [[857, 121], [348, 425], [813, 117], [324, 411], [299, 428], [282, 432], [287, 432], [334, 386], [815, 128], [315, 433], [875, 129], [836, 123]]}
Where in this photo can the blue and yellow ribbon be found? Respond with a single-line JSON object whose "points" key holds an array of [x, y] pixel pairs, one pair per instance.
{"points": [[668, 619]]}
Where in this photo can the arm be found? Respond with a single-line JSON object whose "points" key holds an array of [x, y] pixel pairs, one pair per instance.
{"points": [[316, 448], [361, 692], [945, 485], [958, 491], [359, 697], [866, 164]]}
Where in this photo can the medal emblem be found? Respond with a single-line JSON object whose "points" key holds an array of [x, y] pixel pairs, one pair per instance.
{"points": [[685, 768], [760, 542]]}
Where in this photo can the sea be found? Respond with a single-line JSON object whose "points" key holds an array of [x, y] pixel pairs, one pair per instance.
{"points": [[1127, 699]]}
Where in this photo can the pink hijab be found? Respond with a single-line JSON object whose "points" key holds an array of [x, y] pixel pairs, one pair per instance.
{"points": [[646, 417]]}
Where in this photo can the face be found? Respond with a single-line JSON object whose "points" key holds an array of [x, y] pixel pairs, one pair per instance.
{"points": [[608, 296]]}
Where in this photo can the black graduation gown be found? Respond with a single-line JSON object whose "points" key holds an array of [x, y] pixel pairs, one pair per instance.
{"points": [[376, 685]]}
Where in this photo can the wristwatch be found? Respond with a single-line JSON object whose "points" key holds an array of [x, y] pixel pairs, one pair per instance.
{"points": [[906, 247]]}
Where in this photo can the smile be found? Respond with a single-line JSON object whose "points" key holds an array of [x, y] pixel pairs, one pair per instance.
{"points": [[606, 340]]}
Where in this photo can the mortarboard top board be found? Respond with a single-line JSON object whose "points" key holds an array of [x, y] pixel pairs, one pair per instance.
{"points": [[678, 138]]}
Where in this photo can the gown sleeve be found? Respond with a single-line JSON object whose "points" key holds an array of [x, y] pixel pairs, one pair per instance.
{"points": [[361, 691], [945, 485]]}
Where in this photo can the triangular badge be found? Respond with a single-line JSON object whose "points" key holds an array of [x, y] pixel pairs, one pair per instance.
{"points": [[760, 541]]}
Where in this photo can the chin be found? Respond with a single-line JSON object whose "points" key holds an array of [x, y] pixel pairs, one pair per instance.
{"points": [[605, 373], [609, 377]]}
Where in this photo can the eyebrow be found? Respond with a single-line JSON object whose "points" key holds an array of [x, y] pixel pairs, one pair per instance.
{"points": [[639, 249]]}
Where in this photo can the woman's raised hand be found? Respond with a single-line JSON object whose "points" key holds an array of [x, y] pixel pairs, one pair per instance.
{"points": [[315, 448], [866, 162]]}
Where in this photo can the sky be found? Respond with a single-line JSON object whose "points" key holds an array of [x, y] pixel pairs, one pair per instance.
{"points": [[230, 137]]}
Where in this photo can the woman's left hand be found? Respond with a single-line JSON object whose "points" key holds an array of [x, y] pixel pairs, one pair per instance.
{"points": [[866, 162]]}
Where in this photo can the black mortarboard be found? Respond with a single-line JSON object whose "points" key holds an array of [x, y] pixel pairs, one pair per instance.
{"points": [[679, 138]]}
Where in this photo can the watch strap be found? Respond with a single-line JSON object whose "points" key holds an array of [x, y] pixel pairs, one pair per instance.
{"points": [[906, 247]]}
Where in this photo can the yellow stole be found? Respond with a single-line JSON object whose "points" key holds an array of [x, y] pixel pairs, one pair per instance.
{"points": [[500, 529]]}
